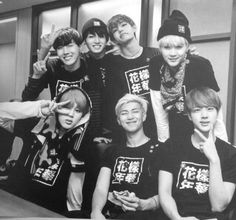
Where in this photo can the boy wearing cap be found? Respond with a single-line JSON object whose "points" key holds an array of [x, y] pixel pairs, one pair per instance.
{"points": [[197, 177], [174, 73], [95, 37], [128, 71]]}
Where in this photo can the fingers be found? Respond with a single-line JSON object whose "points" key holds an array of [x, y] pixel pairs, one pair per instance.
{"points": [[46, 58], [53, 28], [56, 106], [115, 50], [199, 133], [38, 55], [39, 67], [102, 140]]}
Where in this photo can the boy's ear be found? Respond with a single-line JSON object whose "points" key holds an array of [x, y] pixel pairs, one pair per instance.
{"points": [[189, 116], [118, 121], [144, 116]]}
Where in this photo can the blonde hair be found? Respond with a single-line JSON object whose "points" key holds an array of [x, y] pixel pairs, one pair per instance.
{"points": [[131, 98], [202, 97], [172, 40], [76, 96]]}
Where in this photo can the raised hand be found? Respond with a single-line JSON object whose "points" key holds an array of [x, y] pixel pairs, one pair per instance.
{"points": [[47, 41], [49, 107], [207, 144], [115, 50], [39, 67]]}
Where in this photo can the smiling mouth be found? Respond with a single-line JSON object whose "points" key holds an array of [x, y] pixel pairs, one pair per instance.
{"points": [[68, 122], [67, 58], [204, 123]]}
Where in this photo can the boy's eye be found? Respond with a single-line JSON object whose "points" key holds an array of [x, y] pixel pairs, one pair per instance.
{"points": [[210, 108], [59, 48], [123, 24], [123, 113], [77, 110], [135, 111], [179, 46], [114, 30], [90, 36], [196, 110], [167, 47]]}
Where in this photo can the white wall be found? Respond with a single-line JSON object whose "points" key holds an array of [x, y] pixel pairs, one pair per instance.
{"points": [[7, 71]]}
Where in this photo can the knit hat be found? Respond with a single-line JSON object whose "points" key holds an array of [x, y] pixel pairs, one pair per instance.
{"points": [[176, 24], [94, 23]]}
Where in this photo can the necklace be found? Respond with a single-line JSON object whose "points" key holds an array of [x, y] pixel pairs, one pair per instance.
{"points": [[137, 54]]}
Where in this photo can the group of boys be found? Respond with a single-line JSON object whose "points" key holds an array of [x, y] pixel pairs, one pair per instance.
{"points": [[128, 179]]}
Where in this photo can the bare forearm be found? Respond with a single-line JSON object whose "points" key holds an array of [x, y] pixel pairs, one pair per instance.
{"points": [[169, 206], [218, 194], [98, 203], [151, 203]]}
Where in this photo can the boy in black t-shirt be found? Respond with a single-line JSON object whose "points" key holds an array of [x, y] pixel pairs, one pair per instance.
{"points": [[198, 176], [68, 69], [127, 183], [128, 72]]}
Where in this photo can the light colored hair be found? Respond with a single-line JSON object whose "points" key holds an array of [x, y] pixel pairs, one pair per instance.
{"points": [[131, 98], [115, 21], [76, 96], [172, 40], [202, 97]]}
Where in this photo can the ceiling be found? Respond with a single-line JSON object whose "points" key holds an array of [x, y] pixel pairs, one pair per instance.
{"points": [[11, 5], [8, 29]]}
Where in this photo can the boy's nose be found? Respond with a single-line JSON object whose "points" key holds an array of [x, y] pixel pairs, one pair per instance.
{"points": [[204, 112], [71, 112], [65, 49], [96, 38], [172, 51]]}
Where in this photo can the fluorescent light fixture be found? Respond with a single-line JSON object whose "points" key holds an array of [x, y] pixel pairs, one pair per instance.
{"points": [[1, 2], [8, 20]]}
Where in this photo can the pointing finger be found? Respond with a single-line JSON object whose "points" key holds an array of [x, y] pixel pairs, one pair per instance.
{"points": [[199, 133], [53, 28]]}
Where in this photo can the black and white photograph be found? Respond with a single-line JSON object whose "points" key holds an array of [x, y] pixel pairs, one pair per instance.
{"points": [[118, 109]]}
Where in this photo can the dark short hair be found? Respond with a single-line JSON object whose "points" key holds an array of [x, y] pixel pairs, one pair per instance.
{"points": [[66, 36], [202, 97], [95, 26], [100, 31], [115, 21]]}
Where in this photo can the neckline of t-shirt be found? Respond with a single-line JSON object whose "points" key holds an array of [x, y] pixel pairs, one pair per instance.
{"points": [[138, 54]]}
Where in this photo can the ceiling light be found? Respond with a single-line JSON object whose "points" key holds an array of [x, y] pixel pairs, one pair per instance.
{"points": [[8, 20]]}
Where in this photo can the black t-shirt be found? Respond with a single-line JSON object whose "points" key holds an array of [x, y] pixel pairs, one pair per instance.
{"points": [[198, 73], [56, 78], [129, 76], [133, 168], [136, 170], [97, 74], [190, 169]]}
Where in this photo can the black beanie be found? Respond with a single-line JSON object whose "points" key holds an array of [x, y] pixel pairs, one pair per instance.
{"points": [[176, 24], [94, 23]]}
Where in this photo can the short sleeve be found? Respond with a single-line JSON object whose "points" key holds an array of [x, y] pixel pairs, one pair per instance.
{"points": [[154, 68], [229, 169], [167, 157], [201, 73], [108, 157]]}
